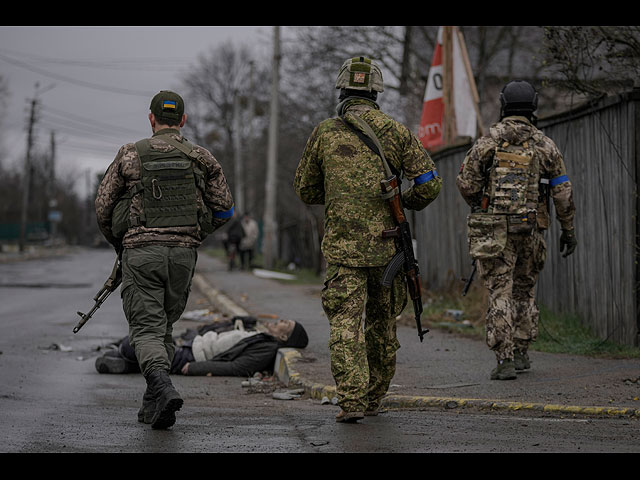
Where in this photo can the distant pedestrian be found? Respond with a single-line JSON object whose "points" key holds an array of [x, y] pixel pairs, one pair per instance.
{"points": [[340, 171], [158, 200], [233, 237], [507, 178], [248, 242]]}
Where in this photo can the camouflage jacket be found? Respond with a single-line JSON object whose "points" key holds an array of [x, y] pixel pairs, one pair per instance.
{"points": [[474, 173], [339, 171], [124, 172]]}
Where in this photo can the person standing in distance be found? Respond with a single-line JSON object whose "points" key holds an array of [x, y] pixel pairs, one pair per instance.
{"points": [[158, 200], [507, 178], [338, 170]]}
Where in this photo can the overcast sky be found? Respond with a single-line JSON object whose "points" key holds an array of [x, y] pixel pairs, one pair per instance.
{"points": [[96, 83]]}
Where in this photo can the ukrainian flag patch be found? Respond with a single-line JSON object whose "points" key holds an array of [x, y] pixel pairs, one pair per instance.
{"points": [[168, 104]]}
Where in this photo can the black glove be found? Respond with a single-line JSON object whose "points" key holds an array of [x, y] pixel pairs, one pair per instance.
{"points": [[568, 239]]}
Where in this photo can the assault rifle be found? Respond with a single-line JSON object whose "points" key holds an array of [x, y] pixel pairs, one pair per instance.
{"points": [[402, 232], [405, 256], [109, 286]]}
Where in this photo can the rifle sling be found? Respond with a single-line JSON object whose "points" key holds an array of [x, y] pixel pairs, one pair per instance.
{"points": [[371, 140]]}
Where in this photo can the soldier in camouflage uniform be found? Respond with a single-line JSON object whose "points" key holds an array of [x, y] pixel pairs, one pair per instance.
{"points": [[158, 200], [339, 171], [506, 178]]}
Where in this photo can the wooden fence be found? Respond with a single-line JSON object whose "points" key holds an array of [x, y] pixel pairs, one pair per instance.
{"points": [[601, 144]]}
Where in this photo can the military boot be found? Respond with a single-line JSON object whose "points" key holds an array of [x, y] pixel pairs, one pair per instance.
{"points": [[148, 409], [349, 417], [504, 371], [168, 400], [521, 360]]}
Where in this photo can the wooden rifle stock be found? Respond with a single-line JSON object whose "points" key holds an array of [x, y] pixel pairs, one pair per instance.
{"points": [[404, 241]]}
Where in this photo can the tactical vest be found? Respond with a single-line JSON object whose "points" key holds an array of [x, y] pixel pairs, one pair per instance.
{"points": [[168, 184], [514, 185]]}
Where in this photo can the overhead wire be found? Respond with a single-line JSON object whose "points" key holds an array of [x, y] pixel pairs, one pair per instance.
{"points": [[141, 63], [82, 83]]}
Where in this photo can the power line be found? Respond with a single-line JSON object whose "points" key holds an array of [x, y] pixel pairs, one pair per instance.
{"points": [[89, 122], [143, 63], [82, 83]]}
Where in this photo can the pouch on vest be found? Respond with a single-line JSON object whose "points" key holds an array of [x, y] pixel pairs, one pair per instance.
{"points": [[487, 235], [120, 216], [514, 180], [120, 219]]}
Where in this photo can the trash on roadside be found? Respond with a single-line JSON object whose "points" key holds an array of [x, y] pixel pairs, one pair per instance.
{"points": [[288, 394], [202, 315], [258, 272], [57, 346], [456, 314]]}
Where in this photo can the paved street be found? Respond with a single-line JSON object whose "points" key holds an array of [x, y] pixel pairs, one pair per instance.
{"points": [[53, 400]]}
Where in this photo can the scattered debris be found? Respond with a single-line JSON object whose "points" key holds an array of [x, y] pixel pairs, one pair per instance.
{"points": [[288, 394], [456, 314], [258, 272], [202, 315], [57, 346], [262, 383], [319, 443]]}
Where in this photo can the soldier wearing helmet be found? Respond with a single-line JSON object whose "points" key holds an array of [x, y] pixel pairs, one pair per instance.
{"points": [[507, 178], [338, 170]]}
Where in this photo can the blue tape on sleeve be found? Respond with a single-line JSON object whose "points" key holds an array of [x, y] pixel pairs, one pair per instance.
{"points": [[425, 177], [558, 180], [225, 214]]}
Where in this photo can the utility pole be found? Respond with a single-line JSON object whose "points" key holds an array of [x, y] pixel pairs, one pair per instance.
{"points": [[270, 248], [27, 176], [53, 215], [238, 170]]}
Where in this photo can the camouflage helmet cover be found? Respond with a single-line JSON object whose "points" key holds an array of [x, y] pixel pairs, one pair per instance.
{"points": [[360, 73]]}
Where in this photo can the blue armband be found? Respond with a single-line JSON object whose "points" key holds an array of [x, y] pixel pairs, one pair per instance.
{"points": [[425, 177], [225, 214], [558, 180]]}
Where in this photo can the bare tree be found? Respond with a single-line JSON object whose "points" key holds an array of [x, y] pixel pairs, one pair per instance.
{"points": [[592, 60], [226, 90]]}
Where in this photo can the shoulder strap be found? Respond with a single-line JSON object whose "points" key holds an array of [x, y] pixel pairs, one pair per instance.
{"points": [[187, 149], [370, 139]]}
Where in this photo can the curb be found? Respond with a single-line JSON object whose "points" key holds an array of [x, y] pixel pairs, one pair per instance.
{"points": [[285, 372], [220, 300]]}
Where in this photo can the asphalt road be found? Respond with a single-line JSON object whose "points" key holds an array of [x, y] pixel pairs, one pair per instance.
{"points": [[53, 400]]}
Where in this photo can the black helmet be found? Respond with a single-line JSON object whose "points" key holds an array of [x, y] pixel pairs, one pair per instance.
{"points": [[518, 97]]}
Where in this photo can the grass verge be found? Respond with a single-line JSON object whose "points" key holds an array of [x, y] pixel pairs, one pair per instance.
{"points": [[448, 310]]}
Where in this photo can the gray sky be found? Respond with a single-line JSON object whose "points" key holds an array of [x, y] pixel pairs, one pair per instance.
{"points": [[96, 84]]}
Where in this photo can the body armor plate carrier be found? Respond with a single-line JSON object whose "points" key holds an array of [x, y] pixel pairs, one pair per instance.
{"points": [[168, 183], [514, 185]]}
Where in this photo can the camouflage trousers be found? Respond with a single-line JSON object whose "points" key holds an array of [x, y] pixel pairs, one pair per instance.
{"points": [[156, 281], [362, 348], [512, 316]]}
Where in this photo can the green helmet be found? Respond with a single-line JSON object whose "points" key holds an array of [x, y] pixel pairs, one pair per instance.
{"points": [[360, 73]]}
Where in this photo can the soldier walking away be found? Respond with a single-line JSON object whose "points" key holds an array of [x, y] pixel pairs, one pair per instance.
{"points": [[158, 200], [507, 178], [340, 171]]}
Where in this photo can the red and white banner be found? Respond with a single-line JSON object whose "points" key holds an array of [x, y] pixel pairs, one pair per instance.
{"points": [[431, 127], [464, 109]]}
